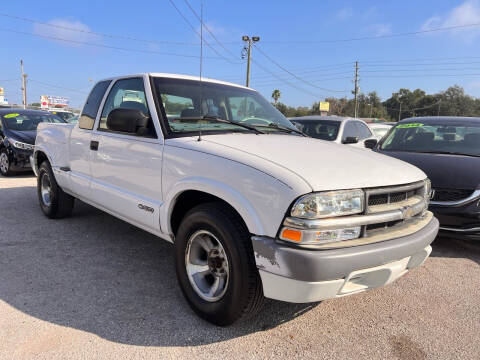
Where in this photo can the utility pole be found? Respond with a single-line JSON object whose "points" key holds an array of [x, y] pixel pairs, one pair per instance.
{"points": [[400, 112], [248, 47], [355, 91], [24, 86], [438, 111]]}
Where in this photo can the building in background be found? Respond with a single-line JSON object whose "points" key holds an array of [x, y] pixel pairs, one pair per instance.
{"points": [[55, 102], [3, 101]]}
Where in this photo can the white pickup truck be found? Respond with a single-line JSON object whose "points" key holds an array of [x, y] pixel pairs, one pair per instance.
{"points": [[253, 207]]}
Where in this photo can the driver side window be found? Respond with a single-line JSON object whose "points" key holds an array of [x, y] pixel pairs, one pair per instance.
{"points": [[126, 94]]}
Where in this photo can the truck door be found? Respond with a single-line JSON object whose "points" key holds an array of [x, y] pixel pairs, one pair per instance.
{"points": [[126, 168], [80, 153]]}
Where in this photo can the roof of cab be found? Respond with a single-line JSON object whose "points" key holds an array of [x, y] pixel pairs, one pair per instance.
{"points": [[179, 76]]}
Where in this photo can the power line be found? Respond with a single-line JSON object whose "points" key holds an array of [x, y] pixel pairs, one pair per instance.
{"points": [[196, 32], [104, 46], [374, 37], [123, 37], [285, 81], [208, 30], [417, 75], [292, 74]]}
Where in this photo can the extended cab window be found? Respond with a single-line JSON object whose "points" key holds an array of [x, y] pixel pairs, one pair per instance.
{"points": [[90, 110], [126, 94]]}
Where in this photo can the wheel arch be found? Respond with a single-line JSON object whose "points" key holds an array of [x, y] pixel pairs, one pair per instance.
{"points": [[188, 194]]}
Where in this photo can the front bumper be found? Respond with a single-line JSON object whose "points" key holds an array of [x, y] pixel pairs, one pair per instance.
{"points": [[299, 275], [463, 219], [19, 159]]}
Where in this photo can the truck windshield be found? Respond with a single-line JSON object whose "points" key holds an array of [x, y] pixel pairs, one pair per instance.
{"points": [[189, 105], [438, 138], [27, 122]]}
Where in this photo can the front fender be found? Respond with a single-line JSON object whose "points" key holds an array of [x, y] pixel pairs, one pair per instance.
{"points": [[223, 191]]}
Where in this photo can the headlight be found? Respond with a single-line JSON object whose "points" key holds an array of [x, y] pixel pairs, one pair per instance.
{"points": [[327, 204], [20, 145]]}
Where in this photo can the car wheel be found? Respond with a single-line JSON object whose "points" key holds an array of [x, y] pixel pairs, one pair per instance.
{"points": [[215, 265], [4, 163], [54, 202]]}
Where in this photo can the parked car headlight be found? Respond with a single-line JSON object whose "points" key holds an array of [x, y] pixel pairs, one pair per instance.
{"points": [[20, 145], [327, 204]]}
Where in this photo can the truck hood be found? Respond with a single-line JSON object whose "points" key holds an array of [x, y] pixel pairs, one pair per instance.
{"points": [[323, 165]]}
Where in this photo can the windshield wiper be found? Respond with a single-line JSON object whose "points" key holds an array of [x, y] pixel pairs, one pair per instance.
{"points": [[283, 128], [216, 118]]}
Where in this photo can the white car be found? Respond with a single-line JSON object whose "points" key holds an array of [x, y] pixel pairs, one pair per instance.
{"points": [[254, 209], [379, 129], [341, 130]]}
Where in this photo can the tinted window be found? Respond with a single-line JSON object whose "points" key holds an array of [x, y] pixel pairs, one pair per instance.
{"points": [[28, 121], [90, 110], [126, 94], [363, 130], [350, 130], [434, 138], [319, 129]]}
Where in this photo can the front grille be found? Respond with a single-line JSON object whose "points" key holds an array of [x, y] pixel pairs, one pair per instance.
{"points": [[451, 194], [392, 197]]}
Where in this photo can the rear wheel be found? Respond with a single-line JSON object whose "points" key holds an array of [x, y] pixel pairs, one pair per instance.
{"points": [[215, 265], [4, 163], [54, 202]]}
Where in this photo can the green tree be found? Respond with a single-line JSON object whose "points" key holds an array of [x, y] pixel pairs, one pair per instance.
{"points": [[276, 95]]}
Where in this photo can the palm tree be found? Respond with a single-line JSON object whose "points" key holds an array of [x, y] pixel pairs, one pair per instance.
{"points": [[276, 95]]}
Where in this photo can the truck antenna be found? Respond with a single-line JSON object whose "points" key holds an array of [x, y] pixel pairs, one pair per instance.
{"points": [[201, 65]]}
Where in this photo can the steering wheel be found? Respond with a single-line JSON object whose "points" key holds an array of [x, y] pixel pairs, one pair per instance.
{"points": [[256, 121]]}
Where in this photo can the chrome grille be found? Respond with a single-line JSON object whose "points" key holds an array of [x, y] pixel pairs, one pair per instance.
{"points": [[391, 198]]}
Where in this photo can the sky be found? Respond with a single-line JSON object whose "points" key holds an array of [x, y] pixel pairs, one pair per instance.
{"points": [[307, 49]]}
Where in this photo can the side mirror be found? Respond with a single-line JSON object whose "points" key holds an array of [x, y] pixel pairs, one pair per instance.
{"points": [[127, 120], [371, 143], [350, 140]]}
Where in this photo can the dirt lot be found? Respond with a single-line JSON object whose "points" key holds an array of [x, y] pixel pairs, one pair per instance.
{"points": [[92, 286]]}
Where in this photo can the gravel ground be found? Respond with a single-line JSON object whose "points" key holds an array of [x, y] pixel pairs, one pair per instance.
{"points": [[92, 286]]}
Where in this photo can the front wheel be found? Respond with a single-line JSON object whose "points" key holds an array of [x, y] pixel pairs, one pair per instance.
{"points": [[5, 163], [215, 265], [54, 202]]}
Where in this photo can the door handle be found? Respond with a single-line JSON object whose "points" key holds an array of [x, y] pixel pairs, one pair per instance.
{"points": [[94, 145]]}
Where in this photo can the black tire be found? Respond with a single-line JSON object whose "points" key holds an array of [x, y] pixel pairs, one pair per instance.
{"points": [[3, 171], [244, 294], [60, 204]]}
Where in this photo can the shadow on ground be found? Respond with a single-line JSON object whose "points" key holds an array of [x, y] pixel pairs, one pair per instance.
{"points": [[98, 274], [456, 247]]}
